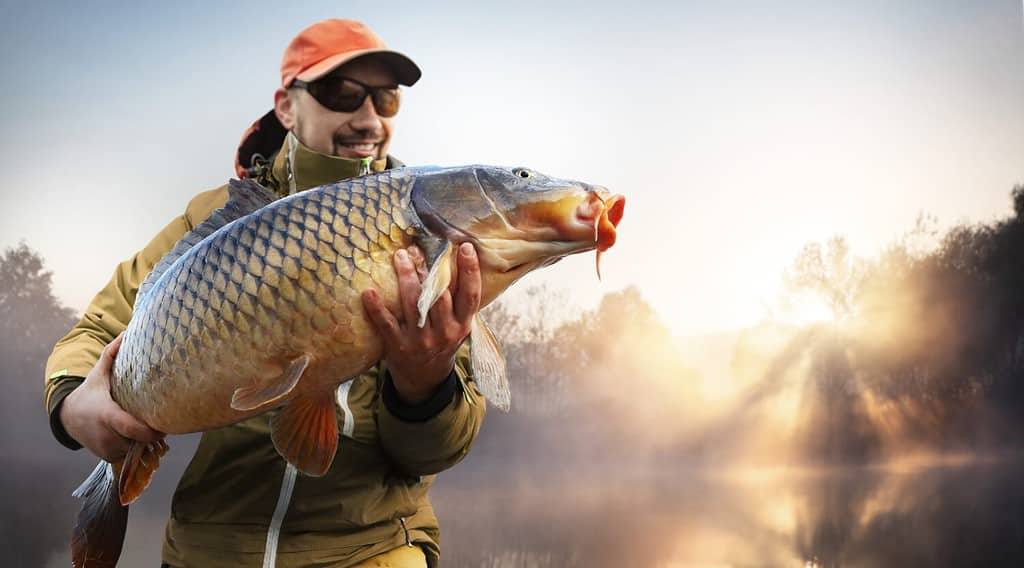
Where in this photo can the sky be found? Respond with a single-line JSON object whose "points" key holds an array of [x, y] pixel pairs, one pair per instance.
{"points": [[738, 131]]}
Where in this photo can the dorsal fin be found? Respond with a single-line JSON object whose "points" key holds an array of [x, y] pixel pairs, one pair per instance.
{"points": [[244, 197]]}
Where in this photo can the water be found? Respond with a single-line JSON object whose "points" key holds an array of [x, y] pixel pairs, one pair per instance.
{"points": [[962, 512], [967, 513]]}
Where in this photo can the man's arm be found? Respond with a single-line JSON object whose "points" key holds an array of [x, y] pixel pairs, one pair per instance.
{"points": [[426, 422], [434, 435]]}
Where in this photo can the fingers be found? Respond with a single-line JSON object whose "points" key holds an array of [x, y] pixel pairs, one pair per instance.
{"points": [[130, 427], [450, 317], [408, 286], [106, 362], [381, 318], [419, 261], [112, 447], [114, 346], [467, 296], [441, 314]]}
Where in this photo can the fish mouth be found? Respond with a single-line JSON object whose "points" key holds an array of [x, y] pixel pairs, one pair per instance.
{"points": [[534, 232], [601, 214], [590, 225], [509, 256], [606, 224], [608, 221]]}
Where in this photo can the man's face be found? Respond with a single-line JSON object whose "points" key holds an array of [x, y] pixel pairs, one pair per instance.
{"points": [[359, 134]]}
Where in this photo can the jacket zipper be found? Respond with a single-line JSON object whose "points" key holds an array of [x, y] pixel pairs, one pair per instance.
{"points": [[288, 485], [405, 529], [290, 163]]}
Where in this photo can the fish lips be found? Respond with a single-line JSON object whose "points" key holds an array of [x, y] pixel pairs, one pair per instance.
{"points": [[521, 255], [608, 221]]}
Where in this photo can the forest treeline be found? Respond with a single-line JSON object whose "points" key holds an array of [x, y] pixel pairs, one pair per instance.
{"points": [[924, 349], [924, 352]]}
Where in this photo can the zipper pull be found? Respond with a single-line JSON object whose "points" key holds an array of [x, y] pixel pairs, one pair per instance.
{"points": [[408, 542], [290, 162], [364, 165]]}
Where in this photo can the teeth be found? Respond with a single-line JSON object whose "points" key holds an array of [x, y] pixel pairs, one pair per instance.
{"points": [[368, 146]]}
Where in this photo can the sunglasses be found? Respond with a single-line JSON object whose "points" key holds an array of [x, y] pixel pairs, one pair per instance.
{"points": [[342, 94]]}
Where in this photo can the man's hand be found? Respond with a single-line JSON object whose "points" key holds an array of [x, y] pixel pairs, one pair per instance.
{"points": [[93, 419], [420, 359]]}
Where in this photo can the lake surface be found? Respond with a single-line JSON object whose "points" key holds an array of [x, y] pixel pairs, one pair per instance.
{"points": [[951, 514], [956, 513]]}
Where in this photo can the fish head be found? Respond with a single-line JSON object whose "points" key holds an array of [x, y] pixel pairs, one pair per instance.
{"points": [[518, 219]]}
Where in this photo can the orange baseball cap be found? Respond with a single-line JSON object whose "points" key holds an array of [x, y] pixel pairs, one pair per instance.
{"points": [[322, 47]]}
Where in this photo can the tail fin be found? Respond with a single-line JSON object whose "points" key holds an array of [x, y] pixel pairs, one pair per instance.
{"points": [[99, 532]]}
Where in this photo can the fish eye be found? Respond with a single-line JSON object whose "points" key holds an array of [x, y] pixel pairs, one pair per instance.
{"points": [[523, 173]]}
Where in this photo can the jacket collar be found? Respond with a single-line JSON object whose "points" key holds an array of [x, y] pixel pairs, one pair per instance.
{"points": [[298, 167]]}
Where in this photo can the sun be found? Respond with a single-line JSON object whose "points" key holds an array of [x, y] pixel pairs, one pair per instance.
{"points": [[802, 310]]}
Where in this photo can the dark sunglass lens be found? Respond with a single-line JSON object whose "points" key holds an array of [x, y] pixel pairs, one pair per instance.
{"points": [[338, 94], [345, 95], [385, 102], [348, 97]]}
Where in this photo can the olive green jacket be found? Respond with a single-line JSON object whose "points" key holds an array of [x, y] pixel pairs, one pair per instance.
{"points": [[237, 500]]}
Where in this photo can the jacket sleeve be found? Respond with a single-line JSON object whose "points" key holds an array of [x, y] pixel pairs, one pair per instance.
{"points": [[433, 436], [109, 312]]}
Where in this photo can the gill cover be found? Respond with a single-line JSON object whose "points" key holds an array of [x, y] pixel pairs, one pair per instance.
{"points": [[443, 200], [447, 205]]}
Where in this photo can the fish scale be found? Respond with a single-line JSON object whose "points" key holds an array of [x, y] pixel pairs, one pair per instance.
{"points": [[232, 297]]}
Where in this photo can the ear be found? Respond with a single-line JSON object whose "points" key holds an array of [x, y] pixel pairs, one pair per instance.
{"points": [[284, 108]]}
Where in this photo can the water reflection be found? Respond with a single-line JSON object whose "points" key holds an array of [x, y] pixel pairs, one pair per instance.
{"points": [[958, 513], [948, 514]]}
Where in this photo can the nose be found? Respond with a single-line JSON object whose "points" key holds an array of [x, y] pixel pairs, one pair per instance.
{"points": [[365, 117]]}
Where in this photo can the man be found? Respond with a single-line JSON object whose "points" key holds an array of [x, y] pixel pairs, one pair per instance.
{"points": [[416, 414]]}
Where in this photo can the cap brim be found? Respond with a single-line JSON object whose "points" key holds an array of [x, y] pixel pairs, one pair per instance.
{"points": [[405, 70]]}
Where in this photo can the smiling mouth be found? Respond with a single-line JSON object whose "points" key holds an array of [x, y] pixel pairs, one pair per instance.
{"points": [[361, 148]]}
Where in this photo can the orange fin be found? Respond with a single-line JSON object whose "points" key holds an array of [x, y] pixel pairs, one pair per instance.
{"points": [[272, 391], [99, 530], [306, 433], [137, 469]]}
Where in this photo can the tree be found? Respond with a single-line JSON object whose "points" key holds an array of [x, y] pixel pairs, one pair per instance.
{"points": [[32, 484], [833, 274], [31, 320]]}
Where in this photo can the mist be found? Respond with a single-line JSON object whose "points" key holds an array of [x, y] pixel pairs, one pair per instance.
{"points": [[884, 433]]}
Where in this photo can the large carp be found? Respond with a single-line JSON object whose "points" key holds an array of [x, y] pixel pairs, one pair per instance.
{"points": [[259, 307]]}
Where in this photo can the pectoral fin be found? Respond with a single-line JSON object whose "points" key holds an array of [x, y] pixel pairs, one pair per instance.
{"points": [[488, 365], [437, 280], [306, 432], [272, 391]]}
